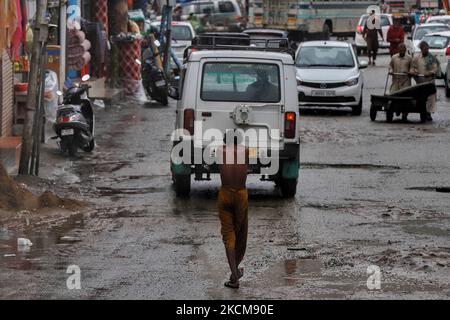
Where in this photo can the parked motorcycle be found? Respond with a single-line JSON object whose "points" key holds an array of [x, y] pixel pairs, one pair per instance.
{"points": [[75, 119], [153, 79]]}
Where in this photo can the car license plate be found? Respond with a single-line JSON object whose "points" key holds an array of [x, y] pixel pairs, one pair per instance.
{"points": [[323, 93], [67, 132], [253, 152], [160, 83]]}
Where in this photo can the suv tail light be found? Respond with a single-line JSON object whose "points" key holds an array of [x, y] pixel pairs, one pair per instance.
{"points": [[237, 18], [289, 125], [447, 52], [189, 118], [359, 29]]}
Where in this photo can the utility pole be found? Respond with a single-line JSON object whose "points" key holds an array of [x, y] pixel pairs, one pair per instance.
{"points": [[40, 36], [166, 32]]}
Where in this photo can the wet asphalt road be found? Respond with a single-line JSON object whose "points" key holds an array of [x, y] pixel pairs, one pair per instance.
{"points": [[366, 196]]}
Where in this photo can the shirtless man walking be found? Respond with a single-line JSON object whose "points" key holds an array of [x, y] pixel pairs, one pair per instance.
{"points": [[233, 206]]}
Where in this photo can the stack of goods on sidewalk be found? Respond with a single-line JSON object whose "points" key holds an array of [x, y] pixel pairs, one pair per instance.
{"points": [[77, 50]]}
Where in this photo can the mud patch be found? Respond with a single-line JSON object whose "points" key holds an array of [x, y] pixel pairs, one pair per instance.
{"points": [[416, 259], [16, 197], [312, 135]]}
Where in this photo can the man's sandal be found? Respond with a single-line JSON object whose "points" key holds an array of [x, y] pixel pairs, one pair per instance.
{"points": [[232, 285]]}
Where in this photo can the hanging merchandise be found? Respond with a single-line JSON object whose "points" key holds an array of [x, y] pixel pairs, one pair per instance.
{"points": [[8, 23], [18, 34], [77, 50], [97, 37], [28, 38], [50, 95]]}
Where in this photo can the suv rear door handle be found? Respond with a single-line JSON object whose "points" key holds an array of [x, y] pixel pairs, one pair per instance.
{"points": [[206, 114]]}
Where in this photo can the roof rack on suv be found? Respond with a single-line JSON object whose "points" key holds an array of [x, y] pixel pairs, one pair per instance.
{"points": [[237, 41]]}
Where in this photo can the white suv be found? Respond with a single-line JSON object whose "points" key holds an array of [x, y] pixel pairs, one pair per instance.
{"points": [[248, 90], [329, 75]]}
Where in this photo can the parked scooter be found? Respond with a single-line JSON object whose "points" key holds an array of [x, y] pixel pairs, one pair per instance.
{"points": [[153, 78], [75, 119]]}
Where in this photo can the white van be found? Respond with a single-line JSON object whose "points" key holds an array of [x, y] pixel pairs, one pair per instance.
{"points": [[237, 89]]}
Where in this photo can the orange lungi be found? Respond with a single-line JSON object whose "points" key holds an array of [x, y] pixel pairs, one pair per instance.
{"points": [[233, 214]]}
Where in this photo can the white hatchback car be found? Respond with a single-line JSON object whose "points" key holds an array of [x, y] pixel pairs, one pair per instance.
{"points": [[439, 44], [329, 74], [182, 35], [439, 19], [421, 31], [361, 44]]}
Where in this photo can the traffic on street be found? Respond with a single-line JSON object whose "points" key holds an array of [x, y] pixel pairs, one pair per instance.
{"points": [[220, 157]]}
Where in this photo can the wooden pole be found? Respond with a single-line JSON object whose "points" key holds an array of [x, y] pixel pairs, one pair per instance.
{"points": [[168, 34], [40, 125], [40, 36]]}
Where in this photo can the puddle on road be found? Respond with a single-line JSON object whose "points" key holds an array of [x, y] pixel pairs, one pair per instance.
{"points": [[306, 278], [12, 257], [63, 176], [313, 165], [107, 191], [435, 228], [293, 270]]}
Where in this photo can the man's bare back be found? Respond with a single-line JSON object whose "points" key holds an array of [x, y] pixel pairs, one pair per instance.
{"points": [[233, 170]]}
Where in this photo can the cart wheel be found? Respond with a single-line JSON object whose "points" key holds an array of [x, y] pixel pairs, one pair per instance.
{"points": [[389, 116], [423, 117], [373, 114]]}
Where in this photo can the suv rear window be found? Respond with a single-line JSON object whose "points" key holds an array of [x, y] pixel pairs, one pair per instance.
{"points": [[241, 82]]}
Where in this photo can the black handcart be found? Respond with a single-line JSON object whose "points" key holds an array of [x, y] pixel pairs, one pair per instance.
{"points": [[409, 100]]}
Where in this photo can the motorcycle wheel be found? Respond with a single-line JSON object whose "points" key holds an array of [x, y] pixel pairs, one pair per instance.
{"points": [[72, 148], [89, 147]]}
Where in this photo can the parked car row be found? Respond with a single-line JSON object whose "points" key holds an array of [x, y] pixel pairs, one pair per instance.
{"points": [[436, 32]]}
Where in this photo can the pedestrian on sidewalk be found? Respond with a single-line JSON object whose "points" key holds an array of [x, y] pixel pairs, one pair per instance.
{"points": [[424, 68], [399, 69], [370, 33], [395, 36], [233, 205]]}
